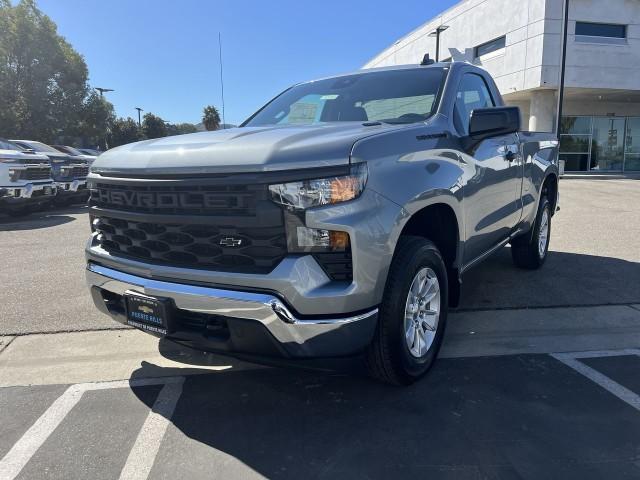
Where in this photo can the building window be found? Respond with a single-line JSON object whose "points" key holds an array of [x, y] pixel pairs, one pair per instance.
{"points": [[490, 47], [600, 144], [600, 32]]}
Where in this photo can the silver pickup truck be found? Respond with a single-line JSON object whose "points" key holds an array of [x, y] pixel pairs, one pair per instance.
{"points": [[338, 219], [25, 180]]}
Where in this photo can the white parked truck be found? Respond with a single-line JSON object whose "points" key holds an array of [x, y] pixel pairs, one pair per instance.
{"points": [[25, 180]]}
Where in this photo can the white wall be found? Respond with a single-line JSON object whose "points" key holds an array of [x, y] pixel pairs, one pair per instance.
{"points": [[473, 22], [591, 65], [533, 37]]}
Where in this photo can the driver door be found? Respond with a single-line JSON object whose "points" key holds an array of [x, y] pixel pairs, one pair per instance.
{"points": [[490, 206]]}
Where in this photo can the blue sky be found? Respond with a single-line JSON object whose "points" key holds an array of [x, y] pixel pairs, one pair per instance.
{"points": [[162, 55]]}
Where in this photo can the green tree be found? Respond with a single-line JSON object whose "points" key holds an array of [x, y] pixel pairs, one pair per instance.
{"points": [[211, 118], [153, 126], [123, 131], [95, 120], [186, 128], [181, 128], [43, 80]]}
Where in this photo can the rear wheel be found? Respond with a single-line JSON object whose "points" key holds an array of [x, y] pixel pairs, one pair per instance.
{"points": [[412, 316], [530, 250]]}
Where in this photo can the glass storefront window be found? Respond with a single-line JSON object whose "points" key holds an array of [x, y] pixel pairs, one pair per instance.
{"points": [[576, 125], [608, 142], [632, 142], [632, 163], [575, 162], [575, 143]]}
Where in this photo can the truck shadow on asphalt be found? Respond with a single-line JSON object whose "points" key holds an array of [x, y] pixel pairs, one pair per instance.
{"points": [[42, 219], [566, 279], [493, 417]]}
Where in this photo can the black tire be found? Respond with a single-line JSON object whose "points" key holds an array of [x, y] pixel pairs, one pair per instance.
{"points": [[525, 250], [388, 357]]}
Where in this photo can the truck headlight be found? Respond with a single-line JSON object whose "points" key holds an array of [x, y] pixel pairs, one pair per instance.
{"points": [[323, 191]]}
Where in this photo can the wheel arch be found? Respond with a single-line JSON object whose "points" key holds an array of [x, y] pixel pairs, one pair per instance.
{"points": [[440, 223], [549, 188]]}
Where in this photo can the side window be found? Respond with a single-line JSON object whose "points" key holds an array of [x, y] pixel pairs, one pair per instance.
{"points": [[472, 93]]}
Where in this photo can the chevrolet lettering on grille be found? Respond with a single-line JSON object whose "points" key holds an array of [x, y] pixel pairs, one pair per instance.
{"points": [[124, 198]]}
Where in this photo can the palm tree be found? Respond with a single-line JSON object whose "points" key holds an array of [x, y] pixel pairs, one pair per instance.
{"points": [[211, 118]]}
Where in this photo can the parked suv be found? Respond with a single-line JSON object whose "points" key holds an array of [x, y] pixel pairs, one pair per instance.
{"points": [[339, 218], [25, 180], [69, 172]]}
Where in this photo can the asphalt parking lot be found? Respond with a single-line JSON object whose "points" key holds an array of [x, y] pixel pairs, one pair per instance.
{"points": [[538, 376], [521, 416]]}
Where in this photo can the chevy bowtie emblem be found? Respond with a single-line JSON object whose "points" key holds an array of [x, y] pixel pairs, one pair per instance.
{"points": [[145, 309], [231, 242]]}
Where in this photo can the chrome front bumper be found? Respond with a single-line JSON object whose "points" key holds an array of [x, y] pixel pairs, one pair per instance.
{"points": [[71, 186], [296, 337], [27, 190]]}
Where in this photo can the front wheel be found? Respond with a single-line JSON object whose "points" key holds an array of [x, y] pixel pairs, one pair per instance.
{"points": [[412, 316], [530, 250]]}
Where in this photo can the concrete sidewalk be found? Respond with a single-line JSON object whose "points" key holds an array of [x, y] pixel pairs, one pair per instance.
{"points": [[91, 356]]}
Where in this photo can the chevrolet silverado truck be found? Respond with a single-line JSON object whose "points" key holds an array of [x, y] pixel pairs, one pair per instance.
{"points": [[25, 180], [69, 172], [338, 219]]}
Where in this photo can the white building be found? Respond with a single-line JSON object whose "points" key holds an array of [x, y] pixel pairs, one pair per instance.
{"points": [[519, 42]]}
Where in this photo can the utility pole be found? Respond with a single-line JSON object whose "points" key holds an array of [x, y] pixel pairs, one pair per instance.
{"points": [[436, 33], [139, 122], [565, 24]]}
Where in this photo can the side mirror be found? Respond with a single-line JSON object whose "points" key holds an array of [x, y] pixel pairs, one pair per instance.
{"points": [[492, 122]]}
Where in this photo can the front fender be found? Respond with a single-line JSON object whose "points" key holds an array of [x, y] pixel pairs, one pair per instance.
{"points": [[415, 168]]}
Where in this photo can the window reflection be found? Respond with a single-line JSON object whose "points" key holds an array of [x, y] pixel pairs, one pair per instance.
{"points": [[600, 143]]}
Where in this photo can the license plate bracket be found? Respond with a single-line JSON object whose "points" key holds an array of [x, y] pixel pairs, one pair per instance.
{"points": [[151, 314]]}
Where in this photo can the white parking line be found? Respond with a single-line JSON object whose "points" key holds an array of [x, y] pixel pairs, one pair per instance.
{"points": [[20, 454], [613, 387], [144, 451]]}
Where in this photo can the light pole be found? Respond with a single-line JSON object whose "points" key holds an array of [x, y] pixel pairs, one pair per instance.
{"points": [[104, 90], [563, 62], [436, 33], [139, 122]]}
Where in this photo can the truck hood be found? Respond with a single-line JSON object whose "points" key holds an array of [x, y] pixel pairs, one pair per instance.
{"points": [[247, 149], [16, 156]]}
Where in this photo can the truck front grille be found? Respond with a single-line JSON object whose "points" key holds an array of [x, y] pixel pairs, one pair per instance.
{"points": [[37, 173], [80, 171], [224, 247]]}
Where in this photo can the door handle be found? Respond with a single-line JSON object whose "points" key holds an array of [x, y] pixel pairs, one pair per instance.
{"points": [[509, 156]]}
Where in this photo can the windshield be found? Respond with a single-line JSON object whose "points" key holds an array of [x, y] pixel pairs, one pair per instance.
{"points": [[394, 96], [37, 146], [70, 150], [6, 145]]}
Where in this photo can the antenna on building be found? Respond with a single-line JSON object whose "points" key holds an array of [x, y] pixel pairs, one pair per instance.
{"points": [[221, 79], [426, 60]]}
